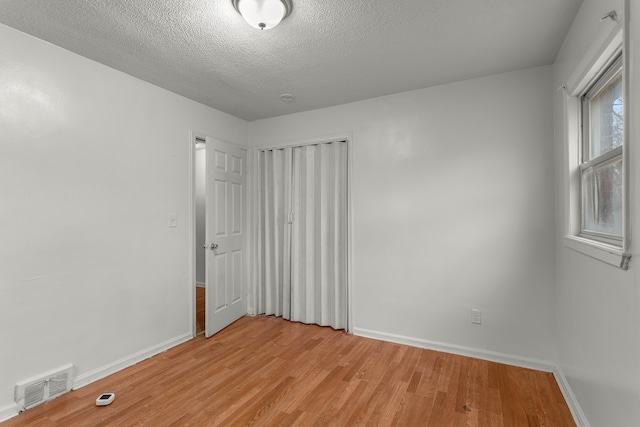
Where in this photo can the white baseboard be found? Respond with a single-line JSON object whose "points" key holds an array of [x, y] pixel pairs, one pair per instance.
{"points": [[8, 411], [104, 371], [201, 285], [523, 362], [578, 416]]}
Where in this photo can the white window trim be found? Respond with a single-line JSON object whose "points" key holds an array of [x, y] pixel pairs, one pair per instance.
{"points": [[606, 253], [590, 68]]}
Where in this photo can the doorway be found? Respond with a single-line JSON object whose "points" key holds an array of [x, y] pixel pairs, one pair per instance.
{"points": [[218, 233], [200, 181]]}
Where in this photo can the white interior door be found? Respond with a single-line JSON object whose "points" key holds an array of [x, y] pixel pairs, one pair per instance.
{"points": [[226, 275]]}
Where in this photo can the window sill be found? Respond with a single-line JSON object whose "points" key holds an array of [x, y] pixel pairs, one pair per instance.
{"points": [[611, 255]]}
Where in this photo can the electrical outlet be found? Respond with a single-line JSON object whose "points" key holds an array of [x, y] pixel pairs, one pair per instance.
{"points": [[476, 316]]}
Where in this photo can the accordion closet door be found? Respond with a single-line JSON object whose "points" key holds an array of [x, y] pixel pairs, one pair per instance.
{"points": [[302, 250]]}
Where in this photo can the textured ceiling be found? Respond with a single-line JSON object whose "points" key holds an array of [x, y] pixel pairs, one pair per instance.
{"points": [[327, 52]]}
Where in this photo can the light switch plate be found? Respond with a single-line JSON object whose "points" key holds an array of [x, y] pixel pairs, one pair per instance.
{"points": [[476, 316], [173, 220]]}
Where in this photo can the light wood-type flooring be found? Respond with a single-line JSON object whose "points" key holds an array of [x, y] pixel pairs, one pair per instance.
{"points": [[200, 295], [266, 371]]}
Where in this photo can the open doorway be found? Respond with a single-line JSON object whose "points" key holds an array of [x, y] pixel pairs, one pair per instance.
{"points": [[218, 232], [200, 180]]}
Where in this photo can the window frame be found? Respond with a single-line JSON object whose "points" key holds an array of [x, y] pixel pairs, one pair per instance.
{"points": [[611, 71], [611, 156], [603, 78], [593, 73]]}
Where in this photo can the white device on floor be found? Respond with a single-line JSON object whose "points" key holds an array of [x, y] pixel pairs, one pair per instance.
{"points": [[105, 398]]}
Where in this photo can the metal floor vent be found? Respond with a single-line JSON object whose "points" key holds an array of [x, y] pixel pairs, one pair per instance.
{"points": [[44, 387]]}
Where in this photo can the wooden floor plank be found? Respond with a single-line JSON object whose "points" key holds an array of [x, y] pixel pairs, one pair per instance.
{"points": [[266, 371], [329, 413], [200, 309]]}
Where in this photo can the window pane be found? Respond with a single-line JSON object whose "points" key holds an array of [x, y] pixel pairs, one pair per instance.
{"points": [[602, 198], [606, 118]]}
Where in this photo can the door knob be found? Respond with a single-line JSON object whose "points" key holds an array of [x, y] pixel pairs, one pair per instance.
{"points": [[214, 246]]}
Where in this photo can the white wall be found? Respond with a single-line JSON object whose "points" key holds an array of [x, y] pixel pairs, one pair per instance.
{"points": [[598, 323], [452, 209], [92, 161]]}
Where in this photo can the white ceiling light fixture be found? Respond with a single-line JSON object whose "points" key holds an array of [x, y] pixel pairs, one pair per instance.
{"points": [[263, 14]]}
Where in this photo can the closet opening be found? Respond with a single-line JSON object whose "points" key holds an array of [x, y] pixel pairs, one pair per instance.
{"points": [[303, 233]]}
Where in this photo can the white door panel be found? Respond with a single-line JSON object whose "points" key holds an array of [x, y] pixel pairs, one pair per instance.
{"points": [[226, 264]]}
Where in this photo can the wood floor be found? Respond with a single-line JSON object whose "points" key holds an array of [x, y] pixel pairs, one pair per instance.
{"points": [[200, 293], [266, 371]]}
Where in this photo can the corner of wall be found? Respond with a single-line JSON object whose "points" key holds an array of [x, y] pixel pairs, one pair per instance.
{"points": [[572, 402]]}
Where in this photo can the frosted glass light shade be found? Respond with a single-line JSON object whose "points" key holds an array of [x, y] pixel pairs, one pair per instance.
{"points": [[263, 14]]}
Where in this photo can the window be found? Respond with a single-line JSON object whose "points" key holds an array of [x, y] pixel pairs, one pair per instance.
{"points": [[601, 166], [597, 174]]}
